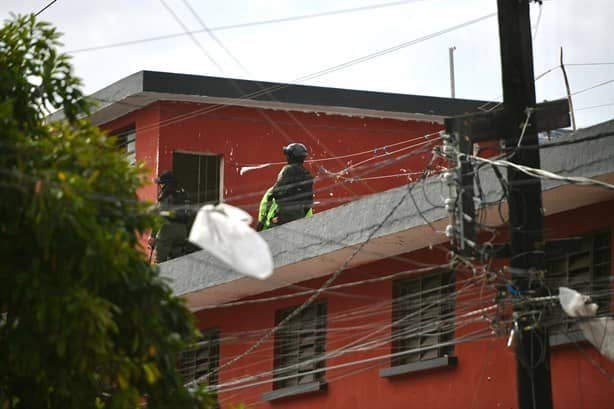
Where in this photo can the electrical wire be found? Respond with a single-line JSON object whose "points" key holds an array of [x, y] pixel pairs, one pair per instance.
{"points": [[45, 8], [309, 301], [236, 85], [213, 36], [192, 36], [544, 174], [361, 313], [600, 84], [243, 25], [334, 287], [393, 48], [270, 90], [481, 334], [595, 106]]}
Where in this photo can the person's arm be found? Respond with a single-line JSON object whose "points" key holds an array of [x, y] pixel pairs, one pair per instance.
{"points": [[285, 183]]}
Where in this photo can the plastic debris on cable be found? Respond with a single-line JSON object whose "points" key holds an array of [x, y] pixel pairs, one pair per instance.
{"points": [[245, 169], [598, 331], [224, 231]]}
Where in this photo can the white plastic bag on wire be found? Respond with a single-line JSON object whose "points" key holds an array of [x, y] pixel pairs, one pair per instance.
{"points": [[224, 231], [598, 331]]}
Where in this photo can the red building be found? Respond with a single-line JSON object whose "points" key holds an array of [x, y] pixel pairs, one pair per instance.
{"points": [[388, 323]]}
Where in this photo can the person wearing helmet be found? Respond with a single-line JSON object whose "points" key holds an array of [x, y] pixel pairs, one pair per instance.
{"points": [[173, 204], [293, 190]]}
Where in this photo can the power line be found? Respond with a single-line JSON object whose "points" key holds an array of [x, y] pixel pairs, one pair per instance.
{"points": [[593, 87], [544, 174], [274, 88], [213, 36], [45, 8], [595, 106], [242, 25], [590, 64], [192, 37], [393, 49], [312, 298], [564, 142]]}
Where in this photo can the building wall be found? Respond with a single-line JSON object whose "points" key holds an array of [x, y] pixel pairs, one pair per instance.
{"points": [[146, 123], [485, 374], [483, 378], [250, 136]]}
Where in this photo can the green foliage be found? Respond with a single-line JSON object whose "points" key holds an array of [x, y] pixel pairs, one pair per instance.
{"points": [[85, 321]]}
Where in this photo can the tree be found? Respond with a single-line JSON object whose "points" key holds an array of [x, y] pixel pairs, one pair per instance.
{"points": [[85, 320]]}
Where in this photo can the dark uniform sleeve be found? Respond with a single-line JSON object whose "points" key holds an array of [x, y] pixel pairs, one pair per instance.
{"points": [[287, 179], [294, 185]]}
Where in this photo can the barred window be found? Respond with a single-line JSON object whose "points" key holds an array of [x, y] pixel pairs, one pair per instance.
{"points": [[202, 358], [587, 271], [423, 318], [299, 344], [126, 142]]}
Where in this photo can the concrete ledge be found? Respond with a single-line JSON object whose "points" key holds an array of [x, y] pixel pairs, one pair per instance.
{"points": [[318, 246], [564, 339], [295, 390], [442, 362]]}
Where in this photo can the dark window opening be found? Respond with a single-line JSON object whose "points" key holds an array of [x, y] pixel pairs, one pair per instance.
{"points": [[423, 317], [200, 175]]}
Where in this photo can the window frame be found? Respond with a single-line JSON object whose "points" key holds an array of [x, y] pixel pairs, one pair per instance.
{"points": [[125, 139], [424, 292], [210, 342], [594, 244], [195, 196], [290, 341]]}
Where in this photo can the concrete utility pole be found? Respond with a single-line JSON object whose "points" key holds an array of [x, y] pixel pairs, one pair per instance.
{"points": [[517, 122]]}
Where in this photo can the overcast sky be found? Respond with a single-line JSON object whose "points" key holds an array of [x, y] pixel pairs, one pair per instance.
{"points": [[289, 50]]}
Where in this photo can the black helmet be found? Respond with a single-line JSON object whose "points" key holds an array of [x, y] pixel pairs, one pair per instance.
{"points": [[167, 178], [296, 151]]}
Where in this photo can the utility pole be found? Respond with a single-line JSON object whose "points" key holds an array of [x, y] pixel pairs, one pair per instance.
{"points": [[451, 59], [517, 123], [526, 219]]}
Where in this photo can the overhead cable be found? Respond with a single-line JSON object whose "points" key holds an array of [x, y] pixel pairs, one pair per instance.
{"points": [[45, 8], [544, 174], [241, 25], [312, 298], [274, 88]]}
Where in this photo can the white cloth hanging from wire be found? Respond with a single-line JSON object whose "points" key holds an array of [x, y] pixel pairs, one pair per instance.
{"points": [[598, 331], [224, 231]]}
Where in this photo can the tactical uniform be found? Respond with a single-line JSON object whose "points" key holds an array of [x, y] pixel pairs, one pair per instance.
{"points": [[291, 197], [173, 205], [293, 193], [268, 210]]}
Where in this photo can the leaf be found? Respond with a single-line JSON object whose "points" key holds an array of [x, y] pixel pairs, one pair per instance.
{"points": [[152, 374], [122, 381]]}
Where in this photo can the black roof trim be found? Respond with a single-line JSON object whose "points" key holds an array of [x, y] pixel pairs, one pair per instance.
{"points": [[144, 87], [184, 84]]}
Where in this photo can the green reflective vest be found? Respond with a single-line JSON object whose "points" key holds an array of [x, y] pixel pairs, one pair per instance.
{"points": [[268, 209]]}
